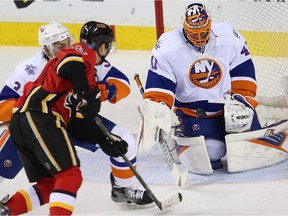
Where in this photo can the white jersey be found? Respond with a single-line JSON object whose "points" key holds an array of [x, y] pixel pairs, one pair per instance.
{"points": [[177, 71], [108, 73], [26, 71]]}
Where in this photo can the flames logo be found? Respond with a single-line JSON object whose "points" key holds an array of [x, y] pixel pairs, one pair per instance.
{"points": [[205, 73]]}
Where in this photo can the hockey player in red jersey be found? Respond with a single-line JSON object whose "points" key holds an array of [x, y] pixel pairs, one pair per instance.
{"points": [[114, 86], [65, 89]]}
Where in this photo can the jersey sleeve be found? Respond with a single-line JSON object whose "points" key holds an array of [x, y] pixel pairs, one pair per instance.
{"points": [[113, 76], [161, 82], [242, 71], [73, 70], [26, 71], [75, 65]]}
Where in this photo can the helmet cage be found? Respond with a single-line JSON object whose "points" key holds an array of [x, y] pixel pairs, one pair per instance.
{"points": [[197, 25], [197, 36]]}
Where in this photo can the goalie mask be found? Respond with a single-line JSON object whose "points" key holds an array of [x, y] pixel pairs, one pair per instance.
{"points": [[197, 25], [95, 34], [51, 33]]}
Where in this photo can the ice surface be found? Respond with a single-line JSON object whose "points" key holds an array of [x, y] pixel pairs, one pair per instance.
{"points": [[259, 192]]}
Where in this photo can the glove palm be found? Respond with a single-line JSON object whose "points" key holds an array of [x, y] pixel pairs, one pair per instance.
{"points": [[238, 113]]}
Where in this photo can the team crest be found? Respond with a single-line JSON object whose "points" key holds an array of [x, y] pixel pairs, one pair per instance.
{"points": [[79, 49], [205, 73], [71, 103]]}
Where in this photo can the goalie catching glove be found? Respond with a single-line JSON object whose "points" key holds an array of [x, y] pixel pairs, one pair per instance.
{"points": [[239, 113], [154, 116]]}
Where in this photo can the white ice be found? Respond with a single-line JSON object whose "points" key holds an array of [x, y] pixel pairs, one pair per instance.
{"points": [[259, 192]]}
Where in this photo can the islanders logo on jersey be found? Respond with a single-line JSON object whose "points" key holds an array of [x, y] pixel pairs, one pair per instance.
{"points": [[205, 73]]}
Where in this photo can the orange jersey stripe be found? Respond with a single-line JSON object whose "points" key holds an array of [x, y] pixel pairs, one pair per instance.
{"points": [[4, 136], [191, 112], [122, 90], [6, 108], [124, 174], [249, 90], [160, 97]]}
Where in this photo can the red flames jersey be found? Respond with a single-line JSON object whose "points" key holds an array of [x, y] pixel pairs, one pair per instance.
{"points": [[50, 93]]}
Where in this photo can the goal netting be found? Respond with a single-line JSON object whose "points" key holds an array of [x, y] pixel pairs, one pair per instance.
{"points": [[264, 24]]}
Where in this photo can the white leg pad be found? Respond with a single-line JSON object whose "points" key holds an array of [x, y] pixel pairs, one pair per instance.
{"points": [[254, 150], [195, 157]]}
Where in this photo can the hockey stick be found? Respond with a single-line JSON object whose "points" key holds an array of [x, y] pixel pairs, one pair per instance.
{"points": [[178, 178], [170, 202]]}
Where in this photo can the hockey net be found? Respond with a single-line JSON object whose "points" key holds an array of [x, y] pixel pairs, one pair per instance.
{"points": [[264, 24]]}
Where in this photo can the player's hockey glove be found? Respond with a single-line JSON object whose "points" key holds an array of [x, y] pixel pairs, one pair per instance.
{"points": [[108, 91], [114, 148], [90, 104], [85, 105], [239, 113]]}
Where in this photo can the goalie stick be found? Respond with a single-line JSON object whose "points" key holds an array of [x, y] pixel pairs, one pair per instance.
{"points": [[170, 202], [178, 178]]}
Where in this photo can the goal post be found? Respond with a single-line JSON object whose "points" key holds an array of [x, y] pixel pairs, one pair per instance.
{"points": [[264, 25], [159, 17]]}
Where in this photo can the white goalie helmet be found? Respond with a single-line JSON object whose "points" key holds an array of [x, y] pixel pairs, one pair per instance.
{"points": [[52, 33]]}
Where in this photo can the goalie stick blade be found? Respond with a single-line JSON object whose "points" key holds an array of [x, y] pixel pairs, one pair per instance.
{"points": [[171, 202], [182, 178]]}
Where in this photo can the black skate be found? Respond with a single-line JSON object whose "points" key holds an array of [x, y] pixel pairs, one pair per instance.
{"points": [[4, 210], [130, 196]]}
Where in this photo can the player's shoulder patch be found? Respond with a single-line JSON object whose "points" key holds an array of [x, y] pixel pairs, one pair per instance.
{"points": [[30, 69]]}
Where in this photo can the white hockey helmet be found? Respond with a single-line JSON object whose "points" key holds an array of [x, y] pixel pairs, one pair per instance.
{"points": [[52, 33]]}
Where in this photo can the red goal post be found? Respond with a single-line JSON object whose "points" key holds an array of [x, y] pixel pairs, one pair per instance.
{"points": [[264, 24], [159, 17]]}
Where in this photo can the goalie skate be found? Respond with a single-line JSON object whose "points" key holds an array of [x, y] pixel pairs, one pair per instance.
{"points": [[130, 196]]}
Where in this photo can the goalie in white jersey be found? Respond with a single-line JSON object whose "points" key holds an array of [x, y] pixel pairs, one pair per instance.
{"points": [[114, 86], [190, 68]]}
